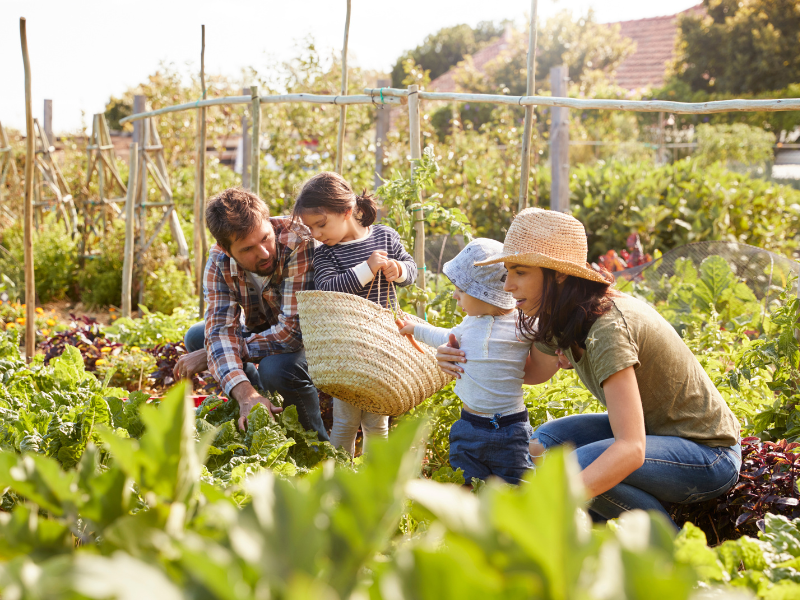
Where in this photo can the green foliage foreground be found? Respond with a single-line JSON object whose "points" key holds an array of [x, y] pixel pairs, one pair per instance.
{"points": [[137, 517]]}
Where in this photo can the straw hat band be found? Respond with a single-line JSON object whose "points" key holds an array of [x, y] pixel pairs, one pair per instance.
{"points": [[547, 238]]}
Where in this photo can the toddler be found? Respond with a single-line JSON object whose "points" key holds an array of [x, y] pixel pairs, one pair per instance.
{"points": [[491, 437]]}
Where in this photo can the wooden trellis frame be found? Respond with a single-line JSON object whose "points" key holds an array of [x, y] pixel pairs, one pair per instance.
{"points": [[151, 161], [48, 180], [8, 172], [101, 159]]}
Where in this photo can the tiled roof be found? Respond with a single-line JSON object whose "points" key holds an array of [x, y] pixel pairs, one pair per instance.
{"points": [[655, 48]]}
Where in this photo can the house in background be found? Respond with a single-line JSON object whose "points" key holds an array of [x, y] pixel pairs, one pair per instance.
{"points": [[645, 68]]}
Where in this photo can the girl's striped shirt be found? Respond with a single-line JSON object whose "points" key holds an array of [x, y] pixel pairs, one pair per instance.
{"points": [[343, 267]]}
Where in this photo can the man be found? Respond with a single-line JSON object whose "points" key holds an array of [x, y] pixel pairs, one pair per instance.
{"points": [[252, 275]]}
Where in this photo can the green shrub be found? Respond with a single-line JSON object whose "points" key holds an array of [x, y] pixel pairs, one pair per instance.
{"points": [[675, 204], [55, 266], [736, 142], [167, 288]]}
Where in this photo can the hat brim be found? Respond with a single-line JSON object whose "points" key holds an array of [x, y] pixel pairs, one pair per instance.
{"points": [[534, 259]]}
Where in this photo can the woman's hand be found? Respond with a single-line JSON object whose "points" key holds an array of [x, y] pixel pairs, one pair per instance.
{"points": [[448, 355]]}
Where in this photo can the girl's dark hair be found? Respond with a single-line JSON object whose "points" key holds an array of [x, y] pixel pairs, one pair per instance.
{"points": [[330, 192], [567, 314]]}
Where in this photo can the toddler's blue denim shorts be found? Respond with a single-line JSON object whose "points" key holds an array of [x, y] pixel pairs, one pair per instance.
{"points": [[484, 446]]}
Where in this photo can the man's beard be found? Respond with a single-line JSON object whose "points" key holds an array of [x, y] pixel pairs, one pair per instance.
{"points": [[265, 271]]}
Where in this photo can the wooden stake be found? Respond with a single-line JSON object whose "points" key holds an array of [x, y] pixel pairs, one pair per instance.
{"points": [[246, 149], [381, 130], [530, 90], [255, 113], [27, 243], [419, 224], [128, 257], [48, 121], [200, 185], [343, 109], [559, 143]]}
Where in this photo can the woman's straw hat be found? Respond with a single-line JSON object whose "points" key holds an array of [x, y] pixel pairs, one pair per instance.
{"points": [[550, 239]]}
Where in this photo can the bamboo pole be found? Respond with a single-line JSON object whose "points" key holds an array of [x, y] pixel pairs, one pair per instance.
{"points": [[27, 243], [128, 256], [530, 90], [276, 99], [255, 140], [48, 120], [200, 184], [343, 109], [414, 135], [247, 150], [381, 131], [559, 143], [694, 108]]}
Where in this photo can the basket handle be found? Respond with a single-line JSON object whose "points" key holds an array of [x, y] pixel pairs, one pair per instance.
{"points": [[388, 291]]}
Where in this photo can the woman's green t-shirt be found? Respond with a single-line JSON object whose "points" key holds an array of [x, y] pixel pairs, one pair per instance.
{"points": [[678, 397]]}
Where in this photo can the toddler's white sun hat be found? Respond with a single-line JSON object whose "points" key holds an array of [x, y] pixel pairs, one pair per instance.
{"points": [[483, 283]]}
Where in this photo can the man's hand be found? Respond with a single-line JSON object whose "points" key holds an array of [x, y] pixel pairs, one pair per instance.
{"points": [[247, 397], [190, 364], [392, 270], [377, 261]]}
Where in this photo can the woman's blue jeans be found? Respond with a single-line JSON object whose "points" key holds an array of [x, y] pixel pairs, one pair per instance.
{"points": [[286, 374], [675, 470]]}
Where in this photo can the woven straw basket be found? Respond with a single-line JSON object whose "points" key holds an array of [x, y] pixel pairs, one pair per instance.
{"points": [[356, 353]]}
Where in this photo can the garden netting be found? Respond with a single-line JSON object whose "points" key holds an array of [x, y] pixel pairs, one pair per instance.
{"points": [[764, 272]]}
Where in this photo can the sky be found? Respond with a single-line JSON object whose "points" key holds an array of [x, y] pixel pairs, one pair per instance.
{"points": [[84, 51]]}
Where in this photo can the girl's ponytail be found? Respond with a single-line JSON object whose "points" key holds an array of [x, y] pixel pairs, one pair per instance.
{"points": [[367, 208]]}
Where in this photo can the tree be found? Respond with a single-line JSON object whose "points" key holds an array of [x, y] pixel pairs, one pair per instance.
{"points": [[740, 46], [446, 48]]}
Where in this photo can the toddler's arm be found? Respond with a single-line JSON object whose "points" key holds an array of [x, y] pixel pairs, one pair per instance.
{"points": [[430, 335]]}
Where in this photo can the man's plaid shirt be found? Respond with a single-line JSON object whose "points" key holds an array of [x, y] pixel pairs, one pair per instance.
{"points": [[234, 313]]}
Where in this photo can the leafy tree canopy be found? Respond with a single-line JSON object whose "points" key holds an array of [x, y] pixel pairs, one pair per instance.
{"points": [[740, 46], [446, 48]]}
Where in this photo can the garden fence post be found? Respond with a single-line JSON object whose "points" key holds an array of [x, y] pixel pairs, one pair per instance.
{"points": [[419, 222], [381, 129], [246, 149], [559, 142], [200, 184], [255, 140], [128, 257], [48, 121], [343, 109], [30, 284], [530, 90]]}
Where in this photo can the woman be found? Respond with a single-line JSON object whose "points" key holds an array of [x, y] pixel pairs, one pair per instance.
{"points": [[668, 435]]}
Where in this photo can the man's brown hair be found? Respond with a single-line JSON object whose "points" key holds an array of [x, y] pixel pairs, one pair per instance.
{"points": [[234, 214]]}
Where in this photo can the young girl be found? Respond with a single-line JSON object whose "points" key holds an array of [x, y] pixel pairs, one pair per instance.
{"points": [[353, 250], [491, 437]]}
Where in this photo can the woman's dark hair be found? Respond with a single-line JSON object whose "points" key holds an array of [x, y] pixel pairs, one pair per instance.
{"points": [[566, 315], [328, 192]]}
